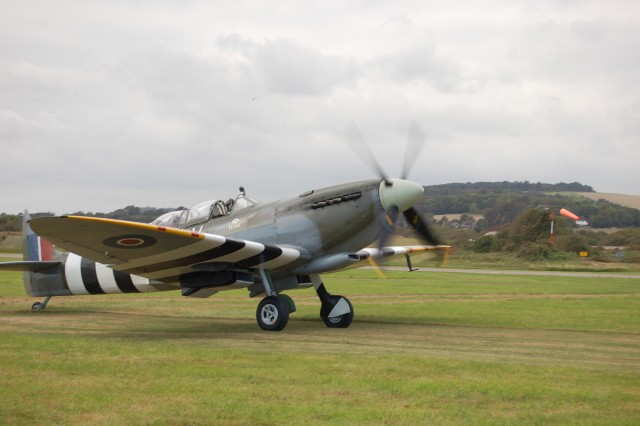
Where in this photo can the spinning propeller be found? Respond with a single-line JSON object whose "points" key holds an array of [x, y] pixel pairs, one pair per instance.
{"points": [[397, 195]]}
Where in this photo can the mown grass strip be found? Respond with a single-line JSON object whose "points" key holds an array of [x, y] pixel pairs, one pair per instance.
{"points": [[424, 348]]}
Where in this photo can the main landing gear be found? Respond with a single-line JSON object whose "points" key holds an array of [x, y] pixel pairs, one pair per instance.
{"points": [[273, 311], [336, 311]]}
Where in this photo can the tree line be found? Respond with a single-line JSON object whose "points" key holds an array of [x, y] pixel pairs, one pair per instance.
{"points": [[13, 223], [458, 188], [500, 203]]}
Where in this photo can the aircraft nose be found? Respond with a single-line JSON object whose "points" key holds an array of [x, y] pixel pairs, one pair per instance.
{"points": [[401, 193]]}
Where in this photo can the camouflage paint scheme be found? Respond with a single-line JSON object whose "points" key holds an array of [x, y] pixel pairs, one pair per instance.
{"points": [[217, 246]]}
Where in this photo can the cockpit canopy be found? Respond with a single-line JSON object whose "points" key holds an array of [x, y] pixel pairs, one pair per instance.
{"points": [[205, 211], [243, 202], [172, 219]]}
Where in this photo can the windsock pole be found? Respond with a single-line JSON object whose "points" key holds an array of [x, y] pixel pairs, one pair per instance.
{"points": [[553, 217]]}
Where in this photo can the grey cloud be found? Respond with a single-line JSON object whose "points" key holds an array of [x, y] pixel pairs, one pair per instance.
{"points": [[421, 64], [288, 68], [590, 31], [118, 104], [13, 126]]}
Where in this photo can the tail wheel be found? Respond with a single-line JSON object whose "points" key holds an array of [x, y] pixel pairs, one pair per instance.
{"points": [[340, 321], [272, 313]]}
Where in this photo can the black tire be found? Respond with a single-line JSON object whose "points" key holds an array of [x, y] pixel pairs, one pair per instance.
{"points": [[37, 307], [342, 321], [272, 313]]}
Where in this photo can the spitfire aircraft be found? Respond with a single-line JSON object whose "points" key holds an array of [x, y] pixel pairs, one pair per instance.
{"points": [[267, 248]]}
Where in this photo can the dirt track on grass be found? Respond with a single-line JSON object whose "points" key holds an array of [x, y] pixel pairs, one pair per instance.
{"points": [[562, 348]]}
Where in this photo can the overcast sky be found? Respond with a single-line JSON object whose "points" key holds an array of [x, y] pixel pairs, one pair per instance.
{"points": [[168, 103]]}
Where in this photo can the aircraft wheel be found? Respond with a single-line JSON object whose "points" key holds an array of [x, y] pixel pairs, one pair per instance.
{"points": [[272, 313], [341, 321], [37, 306]]}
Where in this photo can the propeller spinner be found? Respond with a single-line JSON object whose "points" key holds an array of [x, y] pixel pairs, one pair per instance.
{"points": [[397, 195], [400, 193]]}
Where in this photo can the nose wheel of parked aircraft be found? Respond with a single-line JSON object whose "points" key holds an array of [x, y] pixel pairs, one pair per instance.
{"points": [[272, 313]]}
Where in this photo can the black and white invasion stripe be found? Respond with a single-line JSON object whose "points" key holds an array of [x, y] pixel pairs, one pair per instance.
{"points": [[244, 254], [162, 271], [84, 276]]}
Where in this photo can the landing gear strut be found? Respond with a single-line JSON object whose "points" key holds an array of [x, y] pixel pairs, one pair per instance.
{"points": [[273, 311], [336, 311], [40, 306]]}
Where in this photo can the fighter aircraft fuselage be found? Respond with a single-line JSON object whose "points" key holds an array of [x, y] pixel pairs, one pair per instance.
{"points": [[316, 221]]}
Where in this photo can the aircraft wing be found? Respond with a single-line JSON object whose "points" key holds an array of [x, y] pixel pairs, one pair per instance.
{"points": [[394, 251], [157, 252], [366, 256]]}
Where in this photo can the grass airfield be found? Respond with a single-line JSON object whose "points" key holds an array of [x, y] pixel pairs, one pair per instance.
{"points": [[425, 347]]}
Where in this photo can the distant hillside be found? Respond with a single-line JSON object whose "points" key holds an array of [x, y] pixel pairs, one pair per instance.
{"points": [[501, 202]]}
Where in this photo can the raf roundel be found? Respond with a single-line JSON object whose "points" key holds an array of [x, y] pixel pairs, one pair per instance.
{"points": [[130, 241]]}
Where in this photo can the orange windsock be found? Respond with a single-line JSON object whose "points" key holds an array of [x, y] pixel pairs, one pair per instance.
{"points": [[567, 213]]}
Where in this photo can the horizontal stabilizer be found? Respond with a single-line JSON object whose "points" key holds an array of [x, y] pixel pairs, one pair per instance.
{"points": [[32, 266]]}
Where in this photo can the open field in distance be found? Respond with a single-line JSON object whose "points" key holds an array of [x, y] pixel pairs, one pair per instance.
{"points": [[632, 201]]}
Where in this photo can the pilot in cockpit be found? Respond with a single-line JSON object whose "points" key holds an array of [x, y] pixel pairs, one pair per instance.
{"points": [[218, 209]]}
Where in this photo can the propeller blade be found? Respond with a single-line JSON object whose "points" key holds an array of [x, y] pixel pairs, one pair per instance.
{"points": [[386, 230], [415, 220], [360, 146], [376, 268], [415, 142]]}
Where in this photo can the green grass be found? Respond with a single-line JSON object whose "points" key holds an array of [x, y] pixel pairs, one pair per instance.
{"points": [[575, 303], [467, 259], [429, 348]]}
